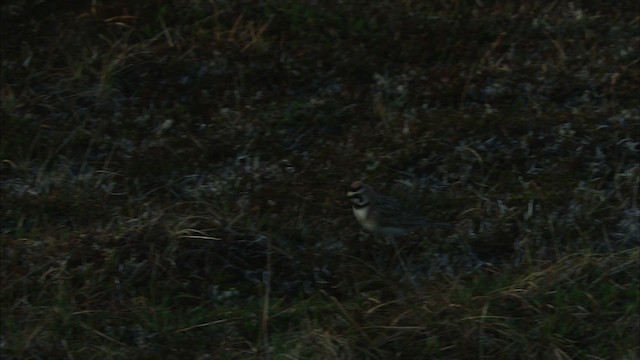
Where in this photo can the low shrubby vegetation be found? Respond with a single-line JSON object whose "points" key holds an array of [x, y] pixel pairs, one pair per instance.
{"points": [[174, 176]]}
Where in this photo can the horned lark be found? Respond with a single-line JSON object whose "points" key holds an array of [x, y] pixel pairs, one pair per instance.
{"points": [[387, 217], [382, 215]]}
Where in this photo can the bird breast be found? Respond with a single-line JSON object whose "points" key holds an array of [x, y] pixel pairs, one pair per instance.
{"points": [[362, 214]]}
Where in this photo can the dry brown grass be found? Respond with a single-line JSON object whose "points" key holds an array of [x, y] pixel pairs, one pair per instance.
{"points": [[173, 179]]}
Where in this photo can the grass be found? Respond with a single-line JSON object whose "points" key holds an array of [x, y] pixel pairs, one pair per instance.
{"points": [[173, 180]]}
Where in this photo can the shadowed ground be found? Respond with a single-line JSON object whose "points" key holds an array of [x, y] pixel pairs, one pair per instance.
{"points": [[174, 178]]}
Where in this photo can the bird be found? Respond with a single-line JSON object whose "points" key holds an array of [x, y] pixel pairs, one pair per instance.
{"points": [[384, 216]]}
